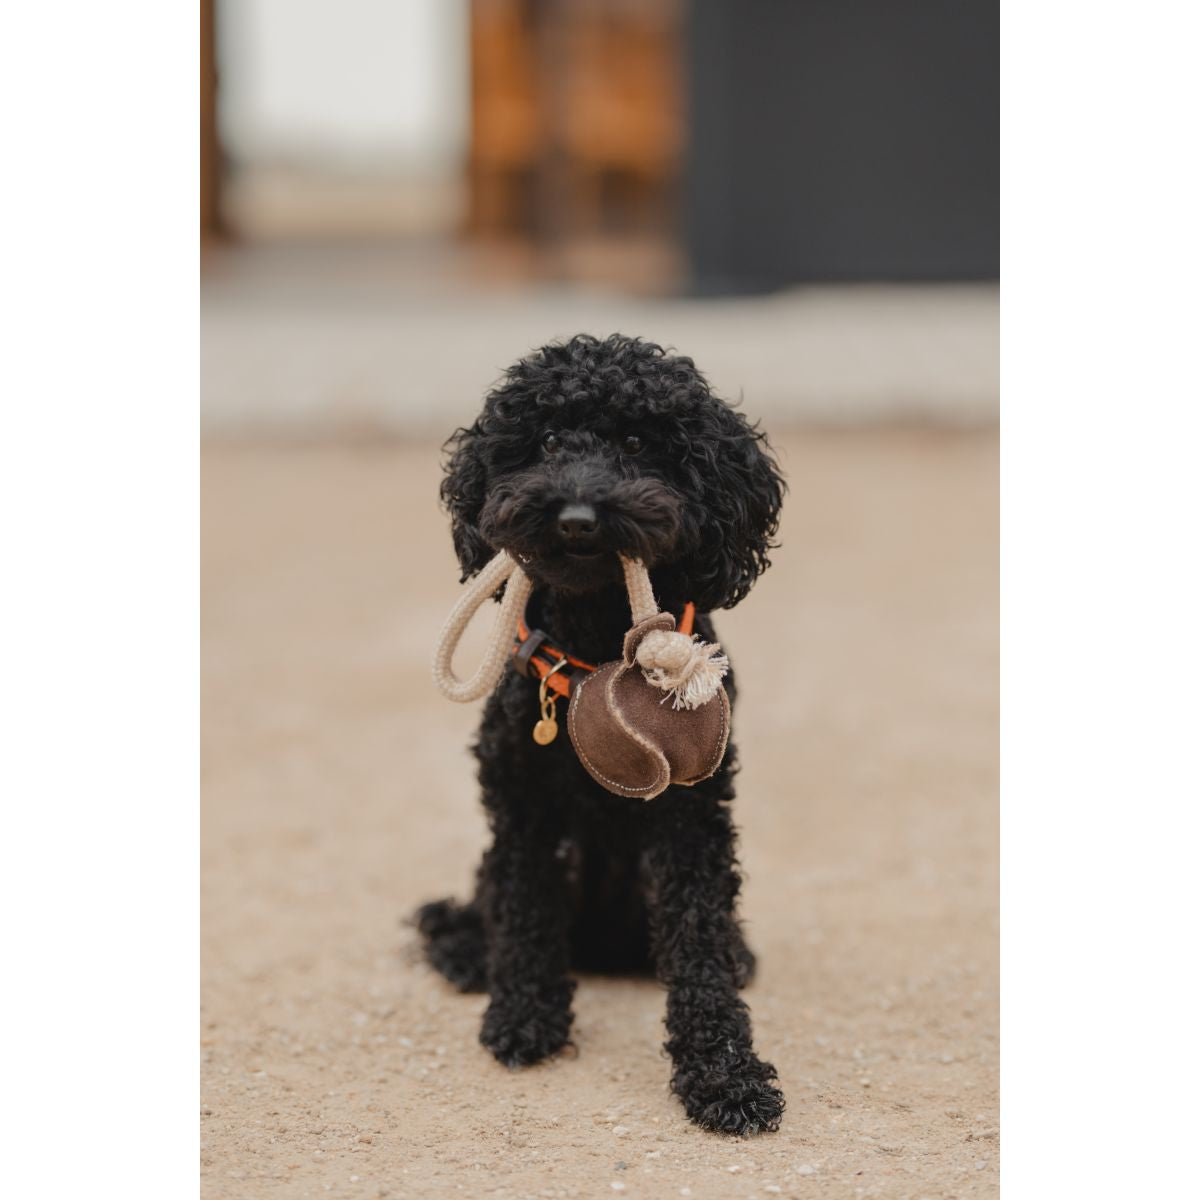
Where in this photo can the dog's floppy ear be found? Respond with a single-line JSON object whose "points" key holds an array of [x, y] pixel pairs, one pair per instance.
{"points": [[743, 494], [463, 491]]}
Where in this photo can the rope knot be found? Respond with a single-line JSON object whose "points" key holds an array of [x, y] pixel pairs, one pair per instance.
{"points": [[687, 669]]}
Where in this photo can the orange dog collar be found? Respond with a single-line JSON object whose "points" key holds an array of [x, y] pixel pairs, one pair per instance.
{"points": [[535, 657]]}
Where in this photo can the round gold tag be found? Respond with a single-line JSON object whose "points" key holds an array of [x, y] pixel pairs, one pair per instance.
{"points": [[545, 731]]}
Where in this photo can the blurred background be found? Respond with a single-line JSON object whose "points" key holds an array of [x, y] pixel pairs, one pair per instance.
{"points": [[400, 197]]}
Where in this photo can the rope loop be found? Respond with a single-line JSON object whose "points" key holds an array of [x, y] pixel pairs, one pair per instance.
{"points": [[687, 669], [482, 588]]}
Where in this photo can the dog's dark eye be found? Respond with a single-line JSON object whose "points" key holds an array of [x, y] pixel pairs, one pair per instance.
{"points": [[631, 444], [550, 443]]}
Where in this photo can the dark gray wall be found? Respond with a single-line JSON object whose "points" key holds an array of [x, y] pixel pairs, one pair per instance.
{"points": [[842, 140]]}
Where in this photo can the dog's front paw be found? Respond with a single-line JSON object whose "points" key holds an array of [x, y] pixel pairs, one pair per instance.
{"points": [[522, 1030], [734, 1095]]}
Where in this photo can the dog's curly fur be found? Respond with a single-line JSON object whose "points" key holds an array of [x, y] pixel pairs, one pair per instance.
{"points": [[577, 877]]}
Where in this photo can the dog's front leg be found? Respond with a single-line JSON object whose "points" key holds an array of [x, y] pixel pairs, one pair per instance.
{"points": [[525, 919], [723, 1084]]}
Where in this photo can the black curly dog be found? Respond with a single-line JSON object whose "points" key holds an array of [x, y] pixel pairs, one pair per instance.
{"points": [[585, 449]]}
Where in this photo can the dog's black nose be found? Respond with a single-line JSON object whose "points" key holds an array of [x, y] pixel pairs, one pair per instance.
{"points": [[577, 522]]}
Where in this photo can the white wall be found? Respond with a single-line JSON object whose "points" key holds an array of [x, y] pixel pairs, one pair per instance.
{"points": [[345, 85]]}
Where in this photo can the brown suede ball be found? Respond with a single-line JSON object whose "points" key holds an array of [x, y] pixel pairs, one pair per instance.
{"points": [[628, 735]]}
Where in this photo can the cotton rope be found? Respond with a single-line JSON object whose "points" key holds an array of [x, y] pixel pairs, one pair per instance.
{"points": [[641, 595], [485, 585], [687, 669]]}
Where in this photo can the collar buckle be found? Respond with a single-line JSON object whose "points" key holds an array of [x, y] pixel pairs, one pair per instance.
{"points": [[524, 653]]}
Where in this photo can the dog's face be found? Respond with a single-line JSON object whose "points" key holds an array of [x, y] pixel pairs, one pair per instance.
{"points": [[591, 449]]}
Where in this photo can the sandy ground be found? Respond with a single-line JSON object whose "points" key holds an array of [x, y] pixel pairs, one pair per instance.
{"points": [[338, 794]]}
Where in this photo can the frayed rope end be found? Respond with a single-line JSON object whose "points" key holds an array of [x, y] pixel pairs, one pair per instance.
{"points": [[684, 667]]}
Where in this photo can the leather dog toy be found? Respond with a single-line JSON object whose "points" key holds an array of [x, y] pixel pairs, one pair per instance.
{"points": [[626, 734]]}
